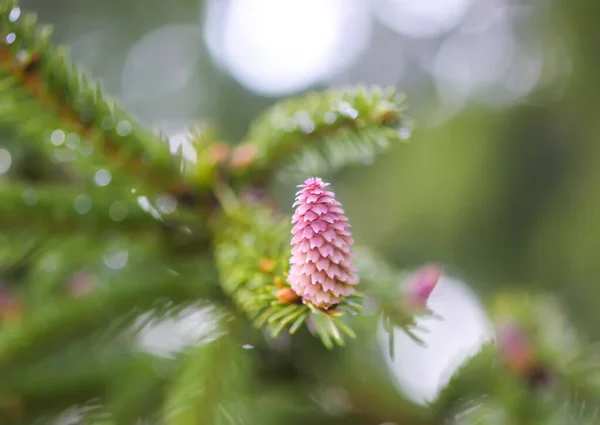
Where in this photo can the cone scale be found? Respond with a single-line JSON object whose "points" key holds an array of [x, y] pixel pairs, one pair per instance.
{"points": [[321, 269]]}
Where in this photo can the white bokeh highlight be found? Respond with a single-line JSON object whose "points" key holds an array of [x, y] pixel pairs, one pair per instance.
{"points": [[420, 19], [276, 47], [179, 136], [422, 371], [5, 161], [162, 62], [484, 61], [192, 326]]}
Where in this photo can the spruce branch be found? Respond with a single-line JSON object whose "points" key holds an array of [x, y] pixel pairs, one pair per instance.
{"points": [[321, 131], [252, 256], [210, 156], [125, 295], [68, 210], [66, 265], [38, 211], [210, 386], [46, 385], [137, 394], [537, 359], [49, 100], [399, 297], [473, 381]]}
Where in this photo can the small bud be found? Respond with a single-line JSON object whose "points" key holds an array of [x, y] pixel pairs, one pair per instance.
{"points": [[287, 296], [421, 284], [515, 349], [81, 284], [267, 265], [10, 307], [11, 407], [242, 156], [219, 153]]}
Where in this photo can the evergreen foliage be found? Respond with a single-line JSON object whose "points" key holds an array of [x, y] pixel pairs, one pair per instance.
{"points": [[156, 234]]}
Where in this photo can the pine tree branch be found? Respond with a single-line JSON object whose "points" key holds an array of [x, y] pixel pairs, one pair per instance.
{"points": [[323, 130], [47, 99]]}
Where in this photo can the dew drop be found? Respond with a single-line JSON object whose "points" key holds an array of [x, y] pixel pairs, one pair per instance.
{"points": [[330, 117], [116, 259], [57, 137], [10, 38], [118, 211], [173, 272], [23, 56], [346, 109], [123, 128], [14, 14], [102, 177], [404, 133], [72, 141], [82, 204], [290, 125], [166, 204], [185, 229], [86, 149], [5, 160], [306, 124], [30, 197], [247, 346], [367, 160], [145, 204], [382, 142]]}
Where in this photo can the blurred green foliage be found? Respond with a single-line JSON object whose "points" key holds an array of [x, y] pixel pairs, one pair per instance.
{"points": [[503, 196]]}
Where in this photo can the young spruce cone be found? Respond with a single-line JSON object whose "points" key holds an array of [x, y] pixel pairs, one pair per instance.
{"points": [[321, 269]]}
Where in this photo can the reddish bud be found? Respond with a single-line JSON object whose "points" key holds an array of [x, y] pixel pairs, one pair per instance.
{"points": [[267, 265], [11, 407], [81, 284], [421, 284], [219, 153], [515, 349], [10, 307], [287, 296], [242, 156]]}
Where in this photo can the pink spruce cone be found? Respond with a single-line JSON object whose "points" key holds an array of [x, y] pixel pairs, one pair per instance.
{"points": [[321, 269]]}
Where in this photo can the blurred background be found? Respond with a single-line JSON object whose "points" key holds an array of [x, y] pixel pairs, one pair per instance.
{"points": [[500, 179]]}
